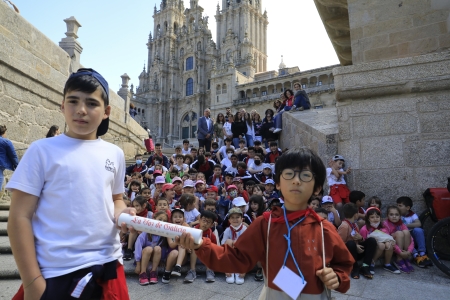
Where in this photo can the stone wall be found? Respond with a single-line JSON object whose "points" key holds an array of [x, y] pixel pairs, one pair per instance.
{"points": [[394, 124], [382, 30], [33, 71], [316, 129]]}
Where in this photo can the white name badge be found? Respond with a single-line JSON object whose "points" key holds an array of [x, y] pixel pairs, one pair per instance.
{"points": [[289, 282]]}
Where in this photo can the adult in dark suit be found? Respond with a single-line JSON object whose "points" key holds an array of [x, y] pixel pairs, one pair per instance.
{"points": [[205, 130]]}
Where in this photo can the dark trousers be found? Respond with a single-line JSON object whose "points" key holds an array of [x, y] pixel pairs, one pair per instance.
{"points": [[370, 247], [205, 143]]}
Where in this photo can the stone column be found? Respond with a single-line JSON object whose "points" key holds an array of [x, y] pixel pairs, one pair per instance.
{"points": [[125, 93], [171, 107], [70, 43], [160, 122]]}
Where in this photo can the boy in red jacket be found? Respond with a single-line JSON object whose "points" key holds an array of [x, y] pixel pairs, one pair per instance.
{"points": [[299, 173]]}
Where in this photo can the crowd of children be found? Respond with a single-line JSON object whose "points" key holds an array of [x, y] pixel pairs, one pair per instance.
{"points": [[224, 192], [221, 192]]}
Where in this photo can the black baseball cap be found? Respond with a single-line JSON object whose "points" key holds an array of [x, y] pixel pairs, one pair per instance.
{"points": [[104, 125]]}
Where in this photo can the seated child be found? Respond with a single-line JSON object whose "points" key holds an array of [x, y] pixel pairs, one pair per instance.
{"points": [[134, 190], [256, 208], [333, 214], [373, 223], [404, 242], [146, 194], [269, 190], [314, 202], [374, 201], [200, 190], [210, 205], [359, 247], [178, 188], [265, 174], [411, 220], [162, 205], [299, 172], [224, 203], [180, 165], [168, 193], [212, 193], [159, 182], [193, 174], [177, 218], [207, 220], [140, 204], [191, 214], [149, 247], [359, 199], [240, 203], [216, 179], [335, 177], [230, 236]]}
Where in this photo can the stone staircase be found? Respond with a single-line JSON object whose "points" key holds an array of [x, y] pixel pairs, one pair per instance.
{"points": [[9, 268]]}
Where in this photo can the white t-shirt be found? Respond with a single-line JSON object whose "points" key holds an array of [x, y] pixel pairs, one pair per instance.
{"points": [[190, 216], [73, 224], [227, 234], [227, 127], [332, 180], [185, 166], [259, 168], [223, 150], [409, 219], [184, 152], [331, 216]]}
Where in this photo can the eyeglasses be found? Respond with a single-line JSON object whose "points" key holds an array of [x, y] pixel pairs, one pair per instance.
{"points": [[206, 221], [305, 175]]}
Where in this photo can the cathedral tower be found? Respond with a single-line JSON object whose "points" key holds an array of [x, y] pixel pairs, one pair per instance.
{"points": [[239, 21]]}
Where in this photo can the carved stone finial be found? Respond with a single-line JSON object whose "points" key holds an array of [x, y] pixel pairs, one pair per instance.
{"points": [[72, 27]]}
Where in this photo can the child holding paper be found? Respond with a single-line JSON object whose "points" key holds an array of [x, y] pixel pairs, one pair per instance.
{"points": [[299, 173], [61, 232]]}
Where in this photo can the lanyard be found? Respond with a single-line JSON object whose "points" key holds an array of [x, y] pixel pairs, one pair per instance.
{"points": [[288, 238]]}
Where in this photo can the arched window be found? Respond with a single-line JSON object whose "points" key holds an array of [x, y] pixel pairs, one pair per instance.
{"points": [[143, 111], [218, 89], [189, 63], [189, 125], [189, 87], [199, 46], [224, 88], [139, 110]]}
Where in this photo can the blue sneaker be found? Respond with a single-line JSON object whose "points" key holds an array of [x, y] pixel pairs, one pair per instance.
{"points": [[372, 269], [391, 269]]}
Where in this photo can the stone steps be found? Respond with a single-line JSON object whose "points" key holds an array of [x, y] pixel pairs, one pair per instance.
{"points": [[5, 246], [4, 215], [3, 229]]}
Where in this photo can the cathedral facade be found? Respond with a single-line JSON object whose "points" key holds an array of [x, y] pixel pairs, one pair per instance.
{"points": [[187, 71]]}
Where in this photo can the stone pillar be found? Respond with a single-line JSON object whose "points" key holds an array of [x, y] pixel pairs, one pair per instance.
{"points": [[160, 122], [125, 93], [70, 43]]}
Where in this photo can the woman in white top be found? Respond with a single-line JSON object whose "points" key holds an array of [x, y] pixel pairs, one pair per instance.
{"points": [[227, 133], [250, 135]]}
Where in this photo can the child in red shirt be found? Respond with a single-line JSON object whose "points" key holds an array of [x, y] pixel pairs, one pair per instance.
{"points": [[299, 173]]}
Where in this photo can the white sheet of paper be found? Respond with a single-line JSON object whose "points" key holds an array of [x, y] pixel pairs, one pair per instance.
{"points": [[289, 282]]}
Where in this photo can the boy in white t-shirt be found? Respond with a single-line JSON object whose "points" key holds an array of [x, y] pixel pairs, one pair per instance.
{"points": [[335, 177], [62, 225], [186, 149]]}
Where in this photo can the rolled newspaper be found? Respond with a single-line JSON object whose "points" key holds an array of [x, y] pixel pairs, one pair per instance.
{"points": [[159, 227]]}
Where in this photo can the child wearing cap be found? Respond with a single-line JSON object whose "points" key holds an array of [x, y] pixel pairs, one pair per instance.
{"points": [[230, 236], [333, 214], [299, 172], [39, 222], [169, 194], [157, 187], [269, 190], [266, 173], [178, 188], [240, 203], [336, 181], [200, 190]]}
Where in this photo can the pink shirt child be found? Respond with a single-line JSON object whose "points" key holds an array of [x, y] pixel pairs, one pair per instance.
{"points": [[390, 228]]}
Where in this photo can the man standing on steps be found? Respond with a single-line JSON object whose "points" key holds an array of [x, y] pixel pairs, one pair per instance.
{"points": [[205, 130]]}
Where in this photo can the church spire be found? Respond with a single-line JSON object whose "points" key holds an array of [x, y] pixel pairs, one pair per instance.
{"points": [[282, 64]]}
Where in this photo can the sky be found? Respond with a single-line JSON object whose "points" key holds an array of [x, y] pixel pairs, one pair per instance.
{"points": [[114, 33]]}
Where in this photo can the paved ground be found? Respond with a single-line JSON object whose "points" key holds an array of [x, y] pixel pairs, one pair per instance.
{"points": [[422, 284]]}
